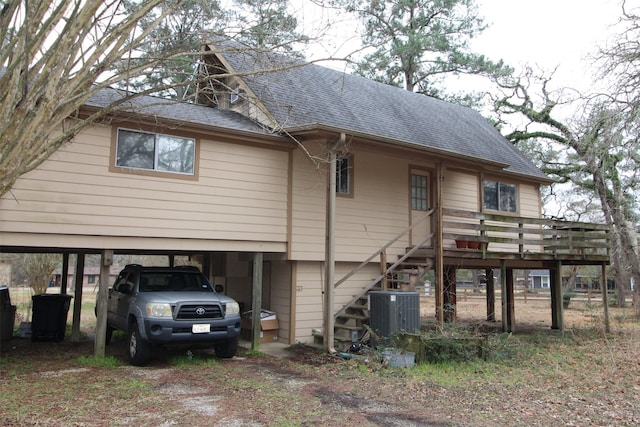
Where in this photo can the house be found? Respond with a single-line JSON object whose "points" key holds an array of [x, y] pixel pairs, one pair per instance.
{"points": [[328, 184], [540, 279], [90, 277], [584, 280]]}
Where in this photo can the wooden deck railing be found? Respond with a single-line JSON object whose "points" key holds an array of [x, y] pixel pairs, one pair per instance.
{"points": [[506, 233]]}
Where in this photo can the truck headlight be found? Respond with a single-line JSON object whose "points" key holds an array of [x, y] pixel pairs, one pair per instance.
{"points": [[233, 308], [156, 309]]}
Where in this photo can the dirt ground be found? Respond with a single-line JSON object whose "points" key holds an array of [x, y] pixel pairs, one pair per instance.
{"points": [[577, 378]]}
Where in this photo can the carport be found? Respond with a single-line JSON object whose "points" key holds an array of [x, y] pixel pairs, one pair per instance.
{"points": [[210, 262]]}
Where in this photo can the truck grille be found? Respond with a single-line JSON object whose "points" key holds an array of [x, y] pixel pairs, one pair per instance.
{"points": [[190, 312]]}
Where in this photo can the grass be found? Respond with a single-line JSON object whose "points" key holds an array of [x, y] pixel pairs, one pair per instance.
{"points": [[532, 377], [188, 359], [99, 362]]}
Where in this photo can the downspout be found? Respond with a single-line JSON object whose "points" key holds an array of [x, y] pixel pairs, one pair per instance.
{"points": [[330, 251]]}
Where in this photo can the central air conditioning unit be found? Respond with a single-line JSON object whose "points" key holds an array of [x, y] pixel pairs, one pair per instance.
{"points": [[391, 312]]}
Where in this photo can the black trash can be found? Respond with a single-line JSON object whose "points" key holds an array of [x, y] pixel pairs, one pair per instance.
{"points": [[49, 319], [7, 314]]}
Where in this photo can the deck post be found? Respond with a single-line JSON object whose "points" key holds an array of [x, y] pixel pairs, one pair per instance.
{"points": [[605, 297], [503, 294], [491, 295], [450, 296], [510, 301], [556, 297]]}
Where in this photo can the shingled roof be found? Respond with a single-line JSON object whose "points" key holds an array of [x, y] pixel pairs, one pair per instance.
{"points": [[167, 109], [307, 96]]}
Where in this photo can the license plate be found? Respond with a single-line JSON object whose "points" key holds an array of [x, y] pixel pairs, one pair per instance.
{"points": [[201, 329]]}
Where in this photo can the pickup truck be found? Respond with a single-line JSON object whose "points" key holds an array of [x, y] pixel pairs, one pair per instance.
{"points": [[170, 305]]}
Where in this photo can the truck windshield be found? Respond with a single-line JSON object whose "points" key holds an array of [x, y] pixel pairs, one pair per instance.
{"points": [[173, 282]]}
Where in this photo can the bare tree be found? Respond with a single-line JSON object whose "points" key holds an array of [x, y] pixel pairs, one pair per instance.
{"points": [[599, 153], [38, 270], [56, 55]]}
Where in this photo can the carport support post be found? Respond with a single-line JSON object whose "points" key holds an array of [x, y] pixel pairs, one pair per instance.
{"points": [[101, 303], [256, 304], [65, 273], [77, 304], [77, 299]]}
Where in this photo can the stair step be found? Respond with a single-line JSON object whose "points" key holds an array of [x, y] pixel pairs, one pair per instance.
{"points": [[348, 327], [353, 316]]}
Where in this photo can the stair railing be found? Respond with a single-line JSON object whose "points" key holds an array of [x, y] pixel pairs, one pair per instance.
{"points": [[383, 274], [384, 248], [378, 279]]}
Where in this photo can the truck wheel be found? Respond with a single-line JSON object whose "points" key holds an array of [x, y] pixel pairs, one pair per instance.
{"points": [[138, 350], [226, 349]]}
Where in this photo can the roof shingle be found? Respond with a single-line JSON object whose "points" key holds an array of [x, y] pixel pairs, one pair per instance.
{"points": [[306, 95]]}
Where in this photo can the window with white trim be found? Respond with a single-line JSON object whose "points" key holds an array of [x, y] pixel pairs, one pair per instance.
{"points": [[156, 152], [500, 196]]}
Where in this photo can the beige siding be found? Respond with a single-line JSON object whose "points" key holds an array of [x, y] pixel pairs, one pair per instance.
{"points": [[308, 210], [530, 206], [460, 190], [309, 297], [280, 300], [373, 215], [240, 195], [530, 203]]}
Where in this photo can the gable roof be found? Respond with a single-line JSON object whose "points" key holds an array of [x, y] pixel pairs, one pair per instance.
{"points": [[304, 96], [171, 110]]}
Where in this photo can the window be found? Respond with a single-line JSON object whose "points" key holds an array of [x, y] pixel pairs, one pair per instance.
{"points": [[91, 278], [545, 281], [153, 151], [344, 171], [418, 192], [499, 196]]}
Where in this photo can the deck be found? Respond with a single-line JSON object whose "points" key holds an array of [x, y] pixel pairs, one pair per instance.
{"points": [[528, 243]]}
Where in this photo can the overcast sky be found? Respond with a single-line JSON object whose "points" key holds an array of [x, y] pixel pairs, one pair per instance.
{"points": [[546, 33]]}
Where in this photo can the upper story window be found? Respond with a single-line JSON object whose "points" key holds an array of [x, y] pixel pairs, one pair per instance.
{"points": [[500, 196], [344, 175], [155, 152]]}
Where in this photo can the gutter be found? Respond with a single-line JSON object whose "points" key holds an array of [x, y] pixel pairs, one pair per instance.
{"points": [[492, 164]]}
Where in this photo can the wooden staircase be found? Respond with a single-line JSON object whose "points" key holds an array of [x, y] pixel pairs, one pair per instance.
{"points": [[351, 320]]}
